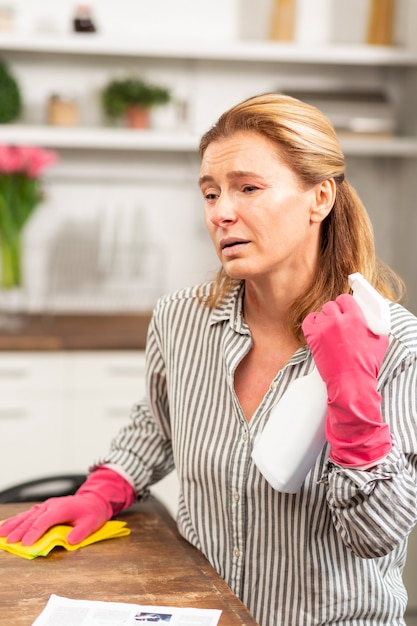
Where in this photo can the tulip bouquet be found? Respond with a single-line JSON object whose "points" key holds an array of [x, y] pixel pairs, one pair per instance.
{"points": [[20, 193]]}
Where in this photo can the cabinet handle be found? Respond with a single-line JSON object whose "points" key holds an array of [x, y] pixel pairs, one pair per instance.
{"points": [[13, 372], [117, 412], [13, 413], [125, 370]]}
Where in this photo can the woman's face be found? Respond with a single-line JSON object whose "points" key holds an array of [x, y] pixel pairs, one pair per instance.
{"points": [[262, 221]]}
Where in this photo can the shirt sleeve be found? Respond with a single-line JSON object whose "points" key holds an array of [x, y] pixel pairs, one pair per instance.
{"points": [[376, 509]]}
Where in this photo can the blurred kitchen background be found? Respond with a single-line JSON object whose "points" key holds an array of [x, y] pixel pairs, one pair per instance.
{"points": [[121, 220]]}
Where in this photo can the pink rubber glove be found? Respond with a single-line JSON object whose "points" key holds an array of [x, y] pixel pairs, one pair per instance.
{"points": [[348, 356], [104, 494]]}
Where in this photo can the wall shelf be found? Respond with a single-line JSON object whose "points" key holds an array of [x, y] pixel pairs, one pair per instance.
{"points": [[380, 147], [84, 138], [243, 51]]}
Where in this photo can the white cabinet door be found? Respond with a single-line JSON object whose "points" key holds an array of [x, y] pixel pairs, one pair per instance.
{"points": [[31, 438], [31, 413], [103, 386], [59, 412], [34, 371]]}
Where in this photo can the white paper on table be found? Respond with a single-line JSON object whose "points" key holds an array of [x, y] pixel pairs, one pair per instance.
{"points": [[71, 612]]}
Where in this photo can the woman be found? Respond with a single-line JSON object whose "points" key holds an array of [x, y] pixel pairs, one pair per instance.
{"points": [[288, 230]]}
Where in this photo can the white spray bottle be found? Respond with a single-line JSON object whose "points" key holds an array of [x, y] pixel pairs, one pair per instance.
{"points": [[294, 435]]}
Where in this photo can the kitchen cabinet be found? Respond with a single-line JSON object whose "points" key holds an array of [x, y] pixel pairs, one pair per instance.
{"points": [[157, 169], [60, 410], [31, 413]]}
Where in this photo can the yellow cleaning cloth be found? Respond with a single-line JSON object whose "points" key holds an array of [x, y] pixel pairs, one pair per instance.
{"points": [[57, 536]]}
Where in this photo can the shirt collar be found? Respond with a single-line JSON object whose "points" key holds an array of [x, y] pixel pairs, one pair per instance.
{"points": [[231, 309]]}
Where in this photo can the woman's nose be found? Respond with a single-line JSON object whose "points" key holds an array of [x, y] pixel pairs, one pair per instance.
{"points": [[223, 212]]}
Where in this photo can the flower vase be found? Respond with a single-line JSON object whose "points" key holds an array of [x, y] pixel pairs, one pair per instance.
{"points": [[12, 292], [20, 193]]}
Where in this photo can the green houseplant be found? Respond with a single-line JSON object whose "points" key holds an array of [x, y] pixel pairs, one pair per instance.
{"points": [[10, 97], [132, 98]]}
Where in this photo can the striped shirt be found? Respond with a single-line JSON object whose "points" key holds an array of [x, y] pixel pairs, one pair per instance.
{"points": [[333, 552]]}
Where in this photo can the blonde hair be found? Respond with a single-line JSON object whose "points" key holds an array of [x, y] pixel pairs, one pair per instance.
{"points": [[307, 142]]}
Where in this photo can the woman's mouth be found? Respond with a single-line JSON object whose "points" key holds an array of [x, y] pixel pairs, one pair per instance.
{"points": [[230, 246]]}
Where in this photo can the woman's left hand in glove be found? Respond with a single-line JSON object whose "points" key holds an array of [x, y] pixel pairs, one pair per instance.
{"points": [[348, 356]]}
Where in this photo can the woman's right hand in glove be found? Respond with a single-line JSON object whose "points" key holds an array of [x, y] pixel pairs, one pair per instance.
{"points": [[104, 494]]}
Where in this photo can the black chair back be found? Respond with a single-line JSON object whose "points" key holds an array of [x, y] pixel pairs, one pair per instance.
{"points": [[41, 489]]}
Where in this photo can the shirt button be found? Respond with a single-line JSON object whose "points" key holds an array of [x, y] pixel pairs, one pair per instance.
{"points": [[236, 497], [245, 437], [272, 385], [237, 553]]}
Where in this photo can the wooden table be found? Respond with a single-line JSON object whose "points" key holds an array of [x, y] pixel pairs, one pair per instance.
{"points": [[153, 566]]}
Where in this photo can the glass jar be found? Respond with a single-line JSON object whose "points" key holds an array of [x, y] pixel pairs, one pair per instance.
{"points": [[62, 110]]}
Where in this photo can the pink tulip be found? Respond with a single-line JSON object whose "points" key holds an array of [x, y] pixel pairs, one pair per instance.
{"points": [[10, 160], [27, 160], [36, 160]]}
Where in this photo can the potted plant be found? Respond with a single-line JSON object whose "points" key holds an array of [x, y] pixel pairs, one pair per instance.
{"points": [[132, 98], [10, 97]]}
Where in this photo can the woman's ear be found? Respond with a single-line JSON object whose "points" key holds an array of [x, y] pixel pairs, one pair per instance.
{"points": [[324, 197]]}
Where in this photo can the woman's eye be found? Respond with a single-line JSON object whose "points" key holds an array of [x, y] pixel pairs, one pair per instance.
{"points": [[210, 195], [249, 188]]}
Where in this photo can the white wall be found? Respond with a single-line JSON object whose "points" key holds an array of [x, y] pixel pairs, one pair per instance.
{"points": [[342, 21], [193, 19]]}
